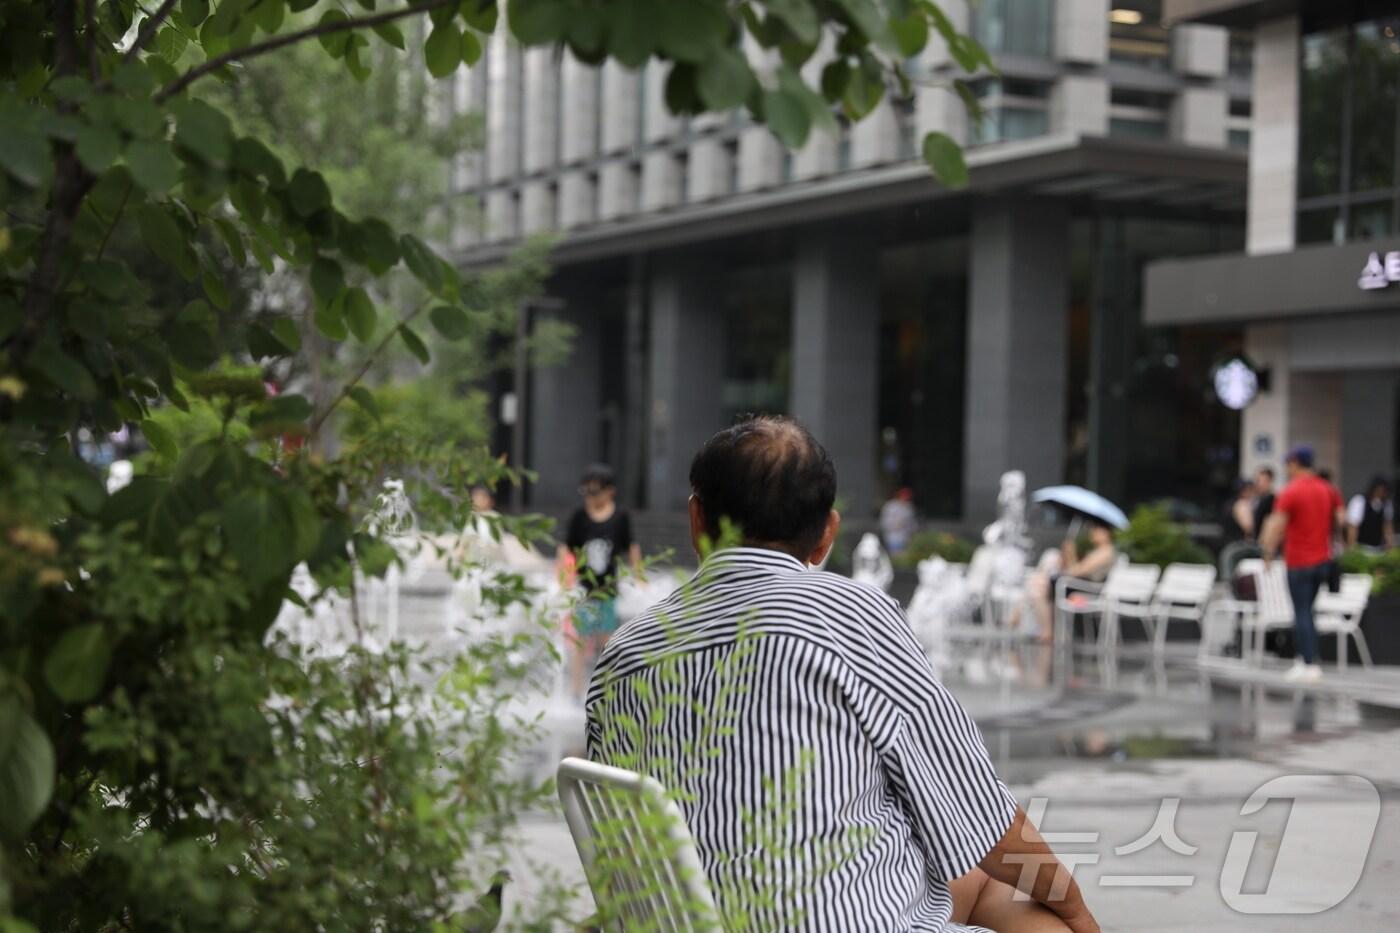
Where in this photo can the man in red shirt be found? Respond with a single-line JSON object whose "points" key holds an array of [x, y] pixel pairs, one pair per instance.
{"points": [[1304, 515]]}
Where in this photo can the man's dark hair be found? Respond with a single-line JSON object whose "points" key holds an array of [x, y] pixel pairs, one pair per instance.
{"points": [[599, 474], [771, 478], [1267, 471]]}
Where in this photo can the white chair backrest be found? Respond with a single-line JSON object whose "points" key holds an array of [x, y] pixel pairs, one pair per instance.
{"points": [[1355, 593], [1250, 566], [1275, 605], [1131, 582], [1188, 584], [636, 849]]}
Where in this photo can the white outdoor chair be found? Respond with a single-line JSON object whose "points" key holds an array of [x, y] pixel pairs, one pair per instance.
{"points": [[1182, 596], [1127, 591], [1340, 614], [636, 849], [1273, 607]]}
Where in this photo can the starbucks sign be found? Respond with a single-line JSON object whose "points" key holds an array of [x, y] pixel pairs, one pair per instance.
{"points": [[1381, 270]]}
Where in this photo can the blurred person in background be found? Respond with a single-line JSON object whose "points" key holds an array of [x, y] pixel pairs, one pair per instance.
{"points": [[898, 522], [598, 534], [1263, 497], [1371, 516]]}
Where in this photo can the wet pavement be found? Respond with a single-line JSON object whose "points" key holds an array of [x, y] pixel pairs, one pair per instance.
{"points": [[1170, 747]]}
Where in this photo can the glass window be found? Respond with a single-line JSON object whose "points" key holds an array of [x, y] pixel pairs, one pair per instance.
{"points": [[1136, 34], [923, 349], [1323, 101], [1375, 91], [1140, 129], [1319, 226], [1370, 221], [757, 340], [1021, 27]]}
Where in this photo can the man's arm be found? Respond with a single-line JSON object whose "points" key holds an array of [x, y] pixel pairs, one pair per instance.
{"points": [[1023, 860], [1274, 527]]}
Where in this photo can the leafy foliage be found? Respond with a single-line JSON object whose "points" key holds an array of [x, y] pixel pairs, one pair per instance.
{"points": [[1383, 566], [1153, 538], [942, 544], [166, 761]]}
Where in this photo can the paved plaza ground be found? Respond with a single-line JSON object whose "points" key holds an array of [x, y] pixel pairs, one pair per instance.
{"points": [[1104, 760]]}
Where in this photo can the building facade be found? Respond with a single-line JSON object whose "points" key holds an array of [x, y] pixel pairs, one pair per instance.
{"points": [[930, 338], [1316, 292]]}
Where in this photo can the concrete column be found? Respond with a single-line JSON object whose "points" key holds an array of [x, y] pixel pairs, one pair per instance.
{"points": [[817, 159], [619, 105], [1315, 417], [503, 112], [541, 109], [687, 363], [875, 140], [1079, 104], [660, 123], [1200, 116], [760, 159], [836, 355], [1081, 31], [576, 198], [1369, 423], [579, 123], [564, 405], [1200, 51], [1016, 347], [661, 181], [710, 163], [1273, 139], [536, 207], [936, 109], [1264, 425], [617, 190], [936, 53], [502, 215]]}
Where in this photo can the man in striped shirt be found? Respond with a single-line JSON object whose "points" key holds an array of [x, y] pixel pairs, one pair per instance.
{"points": [[830, 782]]}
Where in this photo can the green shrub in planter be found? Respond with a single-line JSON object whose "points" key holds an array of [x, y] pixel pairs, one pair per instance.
{"points": [[942, 544], [1153, 538], [1384, 567]]}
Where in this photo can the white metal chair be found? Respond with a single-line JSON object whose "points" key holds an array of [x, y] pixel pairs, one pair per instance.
{"points": [[637, 851], [1127, 591], [1273, 607], [1340, 614], [1182, 596]]}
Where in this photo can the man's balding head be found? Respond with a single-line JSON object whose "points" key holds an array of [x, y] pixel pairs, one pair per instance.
{"points": [[771, 478]]}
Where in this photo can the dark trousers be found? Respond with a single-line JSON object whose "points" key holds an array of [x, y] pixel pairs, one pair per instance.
{"points": [[1304, 583]]}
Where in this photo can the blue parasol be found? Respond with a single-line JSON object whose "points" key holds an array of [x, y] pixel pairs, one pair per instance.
{"points": [[1082, 501]]}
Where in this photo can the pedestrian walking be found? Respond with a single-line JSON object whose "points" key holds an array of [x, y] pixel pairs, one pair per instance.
{"points": [[598, 534], [1302, 521], [1371, 516]]}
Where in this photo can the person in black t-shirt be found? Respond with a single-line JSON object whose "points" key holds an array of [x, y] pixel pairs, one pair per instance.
{"points": [[598, 534], [1263, 498]]}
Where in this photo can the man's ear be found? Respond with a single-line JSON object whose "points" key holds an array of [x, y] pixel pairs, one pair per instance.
{"points": [[828, 541], [697, 523]]}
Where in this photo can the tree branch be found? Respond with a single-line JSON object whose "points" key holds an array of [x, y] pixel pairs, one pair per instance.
{"points": [[291, 38], [90, 27], [148, 28], [370, 360]]}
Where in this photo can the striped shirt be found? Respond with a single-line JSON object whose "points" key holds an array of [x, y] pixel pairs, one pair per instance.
{"points": [[829, 780]]}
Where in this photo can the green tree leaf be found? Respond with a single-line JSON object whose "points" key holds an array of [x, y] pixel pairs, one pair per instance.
{"points": [[390, 34], [443, 50], [264, 344], [689, 30], [77, 665], [194, 12], [160, 439], [360, 314], [63, 371], [451, 322], [471, 48], [97, 147], [26, 769], [259, 531], [280, 413], [309, 193], [285, 329], [327, 279], [421, 261], [945, 157], [152, 164], [725, 80], [204, 131], [414, 343], [537, 22], [24, 152], [365, 399], [233, 240], [330, 318], [163, 237], [787, 117], [336, 43], [910, 32], [799, 16]]}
